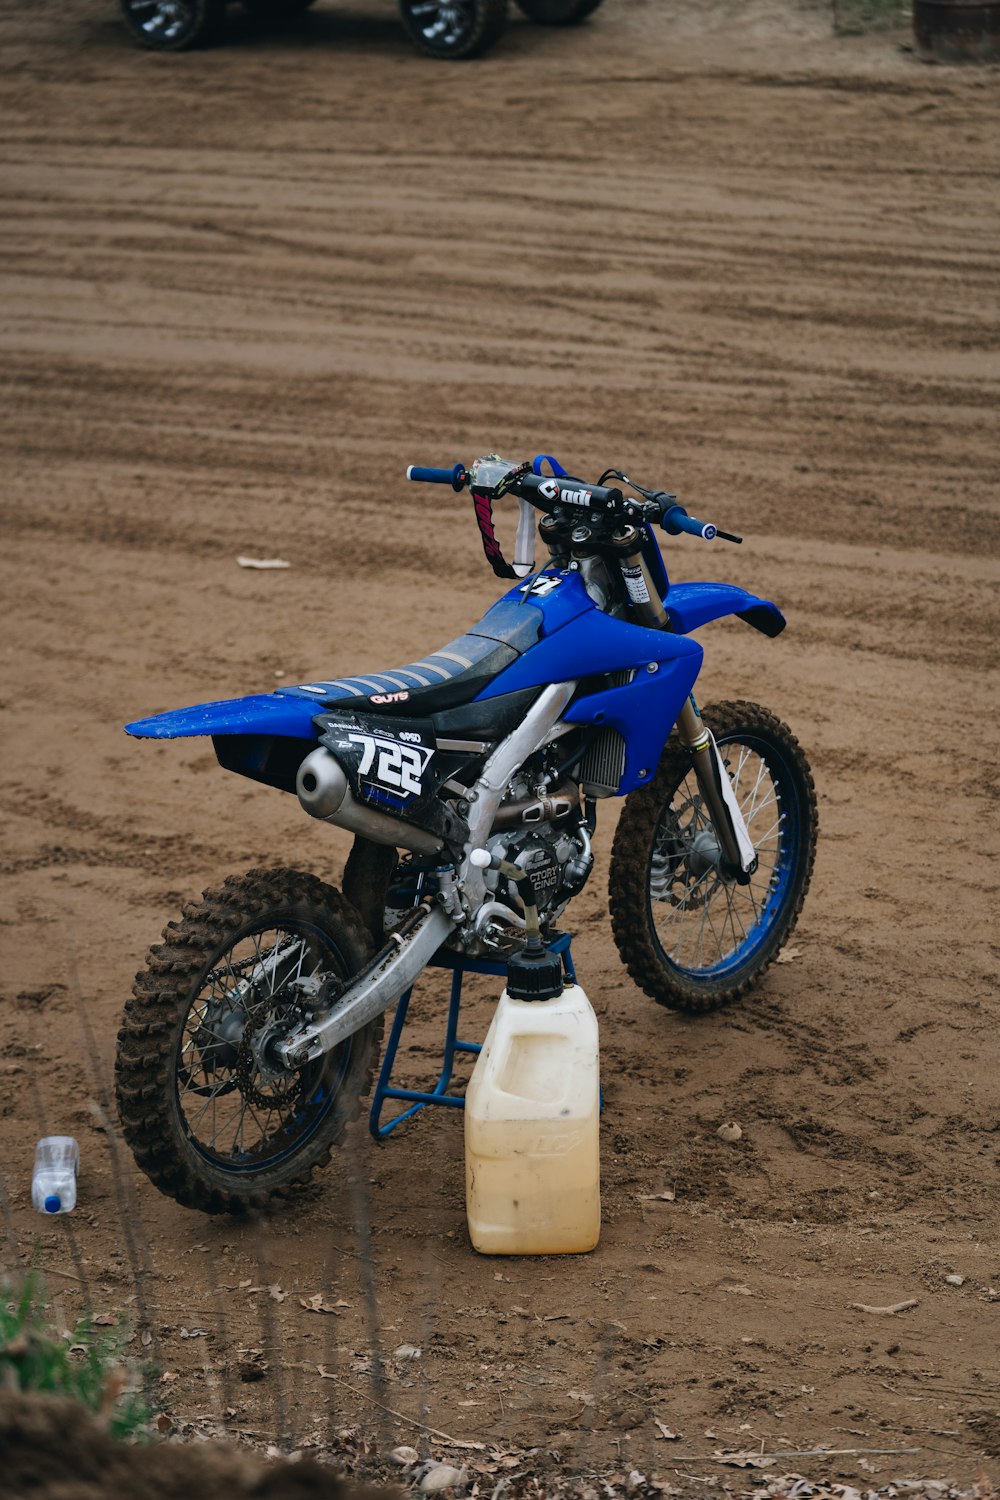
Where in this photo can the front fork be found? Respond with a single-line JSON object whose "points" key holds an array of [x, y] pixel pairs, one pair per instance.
{"points": [[739, 858]]}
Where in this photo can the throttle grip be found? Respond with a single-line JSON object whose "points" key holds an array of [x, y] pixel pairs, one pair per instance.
{"points": [[456, 477], [676, 520]]}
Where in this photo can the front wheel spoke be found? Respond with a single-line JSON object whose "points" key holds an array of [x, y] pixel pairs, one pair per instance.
{"points": [[701, 934], [735, 917], [762, 807], [764, 838], [719, 941], [750, 798]]}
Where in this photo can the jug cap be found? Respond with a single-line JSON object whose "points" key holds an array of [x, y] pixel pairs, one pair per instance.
{"points": [[534, 974]]}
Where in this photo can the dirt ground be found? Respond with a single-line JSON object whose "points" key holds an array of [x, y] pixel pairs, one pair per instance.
{"points": [[239, 291]]}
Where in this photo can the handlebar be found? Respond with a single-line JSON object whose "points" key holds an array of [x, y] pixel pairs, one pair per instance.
{"points": [[546, 493]]}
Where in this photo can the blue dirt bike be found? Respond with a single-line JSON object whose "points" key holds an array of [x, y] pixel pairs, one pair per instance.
{"points": [[252, 1031]]}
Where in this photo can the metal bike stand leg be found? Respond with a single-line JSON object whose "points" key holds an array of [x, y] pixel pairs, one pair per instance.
{"points": [[417, 1098]]}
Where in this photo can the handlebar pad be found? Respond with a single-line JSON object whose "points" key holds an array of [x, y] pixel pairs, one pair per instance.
{"points": [[455, 477], [544, 493], [676, 520]]}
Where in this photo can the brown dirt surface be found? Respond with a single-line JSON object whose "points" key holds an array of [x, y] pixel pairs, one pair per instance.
{"points": [[239, 291]]}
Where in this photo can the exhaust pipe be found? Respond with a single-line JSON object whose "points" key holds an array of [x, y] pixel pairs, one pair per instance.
{"points": [[324, 792]]}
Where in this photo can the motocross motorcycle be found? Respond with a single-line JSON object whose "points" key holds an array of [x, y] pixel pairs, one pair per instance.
{"points": [[471, 780]]}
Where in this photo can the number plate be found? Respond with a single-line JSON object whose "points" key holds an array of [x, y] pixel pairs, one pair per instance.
{"points": [[387, 762]]}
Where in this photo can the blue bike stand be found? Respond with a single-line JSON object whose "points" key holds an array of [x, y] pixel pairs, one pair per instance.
{"points": [[459, 966]]}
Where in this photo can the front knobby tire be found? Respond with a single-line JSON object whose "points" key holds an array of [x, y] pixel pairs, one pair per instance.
{"points": [[209, 1122], [690, 937]]}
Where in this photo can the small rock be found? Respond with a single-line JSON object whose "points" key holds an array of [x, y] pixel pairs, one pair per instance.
{"points": [[955, 1280], [406, 1351], [442, 1477], [404, 1456], [730, 1131]]}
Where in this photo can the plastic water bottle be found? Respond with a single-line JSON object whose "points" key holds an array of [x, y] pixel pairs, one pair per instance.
{"points": [[53, 1182]]}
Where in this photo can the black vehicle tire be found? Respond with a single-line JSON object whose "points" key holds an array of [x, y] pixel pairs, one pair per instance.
{"points": [[669, 903], [558, 12], [186, 1077], [453, 29], [174, 25]]}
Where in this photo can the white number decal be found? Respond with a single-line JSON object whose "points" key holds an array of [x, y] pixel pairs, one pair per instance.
{"points": [[400, 768], [541, 586]]}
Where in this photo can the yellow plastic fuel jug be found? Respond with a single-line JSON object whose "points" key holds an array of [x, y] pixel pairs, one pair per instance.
{"points": [[532, 1111]]}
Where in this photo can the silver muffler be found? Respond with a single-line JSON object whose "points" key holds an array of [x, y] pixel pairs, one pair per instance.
{"points": [[325, 793]]}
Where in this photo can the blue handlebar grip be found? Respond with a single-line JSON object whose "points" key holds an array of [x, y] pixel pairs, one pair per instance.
{"points": [[455, 477], [676, 519]]}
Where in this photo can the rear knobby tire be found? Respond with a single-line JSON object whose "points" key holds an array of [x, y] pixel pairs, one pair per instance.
{"points": [[174, 25], [204, 1123], [690, 938], [453, 29], [558, 12]]}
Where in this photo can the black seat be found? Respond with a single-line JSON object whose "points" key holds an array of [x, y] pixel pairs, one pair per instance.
{"points": [[442, 680]]}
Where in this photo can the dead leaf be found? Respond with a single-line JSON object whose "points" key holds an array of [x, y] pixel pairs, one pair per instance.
{"points": [[277, 1295], [145, 1338], [193, 1333], [744, 1460], [584, 1397], [317, 1303], [667, 1196], [788, 955], [104, 1320], [740, 1291], [163, 1422], [665, 1431], [262, 562], [168, 1377]]}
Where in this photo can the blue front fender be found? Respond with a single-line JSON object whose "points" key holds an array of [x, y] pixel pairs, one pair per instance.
{"points": [[261, 713], [690, 605]]}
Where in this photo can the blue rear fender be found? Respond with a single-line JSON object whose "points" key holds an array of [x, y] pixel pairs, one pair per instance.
{"points": [[264, 736], [260, 713]]}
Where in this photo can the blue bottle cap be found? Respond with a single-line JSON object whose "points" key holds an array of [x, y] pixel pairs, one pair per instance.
{"points": [[53, 1203]]}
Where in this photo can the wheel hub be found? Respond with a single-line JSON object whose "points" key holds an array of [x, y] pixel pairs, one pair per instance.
{"points": [[704, 854], [260, 1077]]}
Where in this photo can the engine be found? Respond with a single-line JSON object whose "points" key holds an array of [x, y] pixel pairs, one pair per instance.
{"points": [[539, 827], [557, 859]]}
